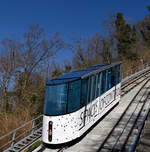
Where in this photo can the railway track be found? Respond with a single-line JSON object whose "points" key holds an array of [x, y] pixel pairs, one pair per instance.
{"points": [[123, 134], [131, 83]]}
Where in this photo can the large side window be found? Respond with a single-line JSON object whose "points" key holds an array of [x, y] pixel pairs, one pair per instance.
{"points": [[113, 77], [109, 73], [93, 86], [103, 83], [98, 86], [118, 76], [84, 87], [55, 100], [74, 90], [119, 73], [89, 88]]}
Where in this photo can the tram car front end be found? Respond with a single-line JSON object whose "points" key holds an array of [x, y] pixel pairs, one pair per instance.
{"points": [[77, 100]]}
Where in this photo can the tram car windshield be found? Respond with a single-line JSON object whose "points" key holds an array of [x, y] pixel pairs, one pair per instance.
{"points": [[76, 100]]}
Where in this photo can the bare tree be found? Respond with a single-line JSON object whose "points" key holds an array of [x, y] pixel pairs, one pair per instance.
{"points": [[34, 52], [106, 52], [21, 61], [8, 66], [95, 50]]}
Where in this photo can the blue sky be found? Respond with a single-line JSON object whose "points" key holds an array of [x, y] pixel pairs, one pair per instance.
{"points": [[69, 17]]}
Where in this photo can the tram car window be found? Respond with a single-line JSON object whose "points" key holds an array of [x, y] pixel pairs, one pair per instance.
{"points": [[56, 96], [73, 96], [98, 84], [89, 88], [118, 75], [113, 77], [109, 74], [77, 100], [93, 86], [84, 87], [103, 84]]}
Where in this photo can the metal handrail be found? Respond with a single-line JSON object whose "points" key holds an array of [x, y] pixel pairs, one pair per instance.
{"points": [[147, 68], [13, 139], [28, 130], [125, 77], [15, 130]]}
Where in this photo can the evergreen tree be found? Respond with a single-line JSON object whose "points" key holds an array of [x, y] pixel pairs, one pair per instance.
{"points": [[67, 68], [126, 38], [148, 7], [144, 27], [56, 72], [134, 36]]}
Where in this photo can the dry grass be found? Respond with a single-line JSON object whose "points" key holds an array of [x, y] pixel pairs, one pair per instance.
{"points": [[11, 121], [130, 67]]}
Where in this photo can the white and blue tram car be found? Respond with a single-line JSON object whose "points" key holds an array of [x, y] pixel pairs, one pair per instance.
{"points": [[76, 100]]}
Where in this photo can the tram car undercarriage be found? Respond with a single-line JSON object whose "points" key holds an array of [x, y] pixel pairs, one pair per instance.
{"points": [[75, 101]]}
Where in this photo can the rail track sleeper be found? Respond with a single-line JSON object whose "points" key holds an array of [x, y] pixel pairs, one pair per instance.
{"points": [[133, 134], [35, 135], [118, 121], [16, 148], [21, 145], [132, 147], [29, 139], [135, 126], [25, 141]]}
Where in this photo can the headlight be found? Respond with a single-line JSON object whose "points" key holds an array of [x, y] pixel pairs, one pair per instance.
{"points": [[50, 131]]}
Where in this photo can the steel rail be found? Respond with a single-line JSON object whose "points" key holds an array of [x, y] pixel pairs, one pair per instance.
{"points": [[133, 147], [118, 121], [130, 132], [134, 82]]}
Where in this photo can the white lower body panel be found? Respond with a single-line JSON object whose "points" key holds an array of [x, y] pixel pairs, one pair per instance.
{"points": [[68, 127]]}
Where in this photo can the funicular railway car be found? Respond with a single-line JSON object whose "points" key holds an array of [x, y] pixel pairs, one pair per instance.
{"points": [[76, 100]]}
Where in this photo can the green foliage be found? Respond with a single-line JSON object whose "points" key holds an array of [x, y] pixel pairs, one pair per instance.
{"points": [[132, 55], [134, 38], [79, 59], [35, 97], [21, 79], [144, 28], [120, 23], [56, 72], [67, 68], [148, 7], [126, 37]]}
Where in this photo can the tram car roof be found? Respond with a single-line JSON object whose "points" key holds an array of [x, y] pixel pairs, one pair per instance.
{"points": [[80, 74]]}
